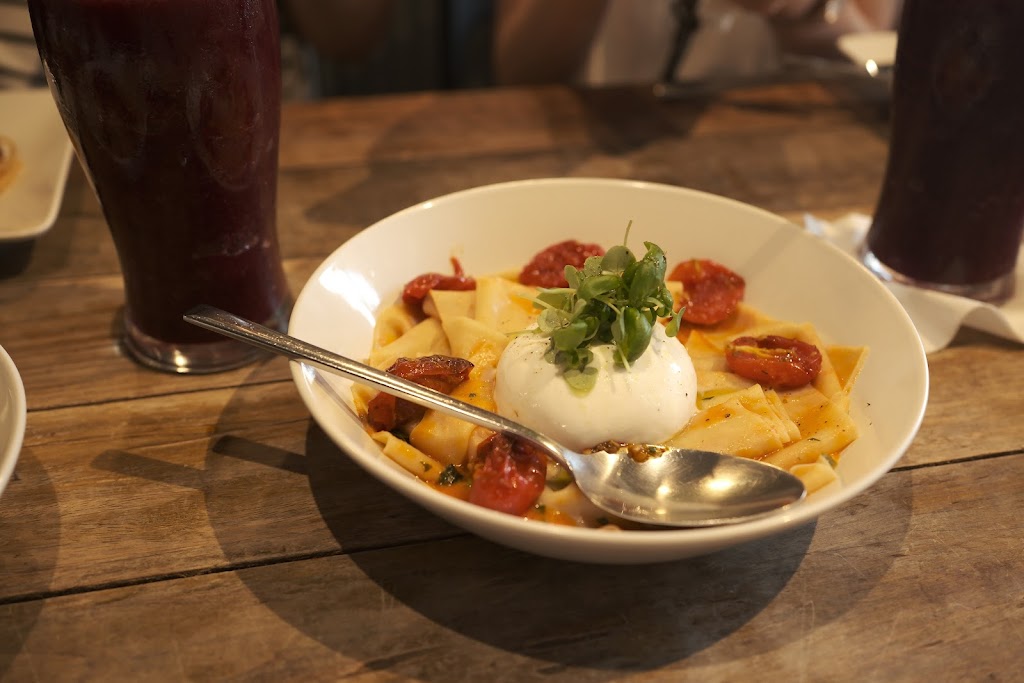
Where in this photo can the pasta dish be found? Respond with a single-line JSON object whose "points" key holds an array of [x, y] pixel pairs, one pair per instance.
{"points": [[602, 350]]}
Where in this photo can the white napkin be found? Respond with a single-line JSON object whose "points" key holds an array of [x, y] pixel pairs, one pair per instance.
{"points": [[936, 315]]}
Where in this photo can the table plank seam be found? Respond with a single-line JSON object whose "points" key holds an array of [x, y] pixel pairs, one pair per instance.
{"points": [[145, 397], [36, 596], [958, 461]]}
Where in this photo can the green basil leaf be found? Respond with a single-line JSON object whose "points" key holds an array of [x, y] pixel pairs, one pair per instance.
{"points": [[569, 337], [618, 328], [597, 285], [672, 328], [635, 333], [550, 320], [572, 276], [593, 266], [554, 298], [581, 381], [617, 259], [656, 257], [630, 273], [645, 281]]}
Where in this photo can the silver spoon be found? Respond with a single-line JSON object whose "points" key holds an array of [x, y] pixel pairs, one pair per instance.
{"points": [[681, 488]]}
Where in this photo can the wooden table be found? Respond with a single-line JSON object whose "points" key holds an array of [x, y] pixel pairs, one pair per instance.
{"points": [[173, 527]]}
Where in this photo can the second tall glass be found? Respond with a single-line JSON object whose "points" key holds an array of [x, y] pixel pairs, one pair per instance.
{"points": [[951, 211], [173, 107]]}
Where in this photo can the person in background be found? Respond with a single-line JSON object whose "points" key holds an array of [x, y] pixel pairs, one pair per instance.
{"points": [[355, 47], [317, 31], [19, 60], [601, 42], [343, 29]]}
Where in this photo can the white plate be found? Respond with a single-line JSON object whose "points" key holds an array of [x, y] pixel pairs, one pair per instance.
{"points": [[789, 274], [29, 205], [861, 48], [12, 417]]}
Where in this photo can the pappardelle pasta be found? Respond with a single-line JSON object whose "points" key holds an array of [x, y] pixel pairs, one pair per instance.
{"points": [[764, 388]]}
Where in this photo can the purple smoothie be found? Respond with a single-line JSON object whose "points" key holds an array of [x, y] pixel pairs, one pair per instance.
{"points": [[174, 109], [951, 209]]}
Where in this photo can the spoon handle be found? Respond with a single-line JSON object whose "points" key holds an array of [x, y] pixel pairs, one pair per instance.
{"points": [[236, 327]]}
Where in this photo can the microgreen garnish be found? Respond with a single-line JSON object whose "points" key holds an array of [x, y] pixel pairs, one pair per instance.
{"points": [[615, 299]]}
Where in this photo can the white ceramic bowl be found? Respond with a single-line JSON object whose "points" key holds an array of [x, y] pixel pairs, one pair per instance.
{"points": [[12, 417], [789, 274]]}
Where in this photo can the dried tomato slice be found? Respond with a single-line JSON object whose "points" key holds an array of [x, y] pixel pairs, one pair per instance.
{"points": [[440, 373], [547, 267], [773, 361], [416, 290], [509, 475], [711, 291]]}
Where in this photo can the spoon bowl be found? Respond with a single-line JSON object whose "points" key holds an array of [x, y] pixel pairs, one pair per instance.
{"points": [[679, 488]]}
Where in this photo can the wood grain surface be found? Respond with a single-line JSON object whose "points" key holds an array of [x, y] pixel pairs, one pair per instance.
{"points": [[165, 527]]}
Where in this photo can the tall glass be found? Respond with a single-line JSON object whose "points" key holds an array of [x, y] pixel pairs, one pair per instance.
{"points": [[173, 107], [951, 211]]}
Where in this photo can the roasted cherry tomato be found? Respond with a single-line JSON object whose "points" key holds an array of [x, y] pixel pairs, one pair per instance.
{"points": [[440, 373], [509, 475], [773, 361], [547, 268], [416, 290], [711, 292]]}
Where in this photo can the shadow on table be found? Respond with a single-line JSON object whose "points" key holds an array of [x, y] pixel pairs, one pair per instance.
{"points": [[14, 257], [567, 616], [443, 601], [24, 575]]}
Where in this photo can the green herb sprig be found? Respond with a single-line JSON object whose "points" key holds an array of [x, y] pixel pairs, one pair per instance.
{"points": [[615, 299]]}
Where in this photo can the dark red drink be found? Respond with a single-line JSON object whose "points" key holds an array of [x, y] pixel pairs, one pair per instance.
{"points": [[174, 109], [951, 211]]}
